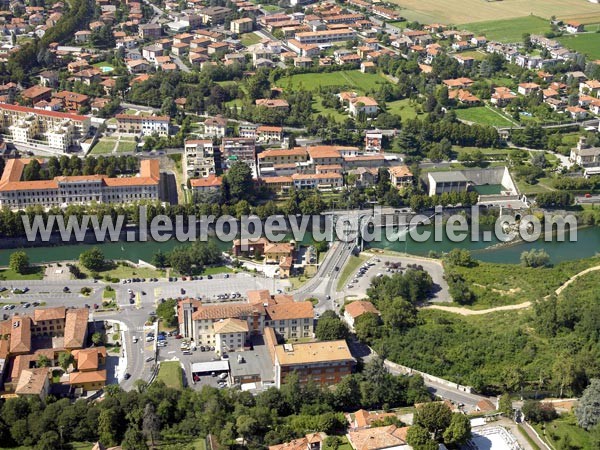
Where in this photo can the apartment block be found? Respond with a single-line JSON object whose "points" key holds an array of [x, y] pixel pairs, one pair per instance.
{"points": [[199, 158], [144, 125], [84, 189], [325, 36], [239, 149], [54, 129]]}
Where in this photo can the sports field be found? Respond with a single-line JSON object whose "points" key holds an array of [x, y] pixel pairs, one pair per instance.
{"points": [[588, 44], [350, 79], [467, 11], [510, 30]]}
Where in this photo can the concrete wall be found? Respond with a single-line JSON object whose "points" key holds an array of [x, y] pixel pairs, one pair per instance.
{"points": [[400, 369]]}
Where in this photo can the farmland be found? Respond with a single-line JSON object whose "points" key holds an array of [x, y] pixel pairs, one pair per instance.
{"points": [[510, 30], [588, 44], [347, 79], [446, 11], [483, 116]]}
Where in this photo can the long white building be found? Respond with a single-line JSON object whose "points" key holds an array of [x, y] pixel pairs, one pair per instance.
{"points": [[65, 190]]}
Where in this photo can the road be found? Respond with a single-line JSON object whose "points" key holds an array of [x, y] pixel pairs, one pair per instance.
{"points": [[180, 63]]}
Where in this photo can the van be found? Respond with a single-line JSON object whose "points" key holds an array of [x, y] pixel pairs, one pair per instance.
{"points": [[222, 376]]}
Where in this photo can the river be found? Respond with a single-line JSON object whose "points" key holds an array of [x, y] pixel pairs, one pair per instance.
{"points": [[587, 245]]}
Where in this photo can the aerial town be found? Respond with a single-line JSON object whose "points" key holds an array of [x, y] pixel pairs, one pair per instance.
{"points": [[395, 126]]}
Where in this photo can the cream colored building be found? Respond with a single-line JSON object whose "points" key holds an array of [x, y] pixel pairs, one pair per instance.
{"points": [[230, 335], [199, 158]]}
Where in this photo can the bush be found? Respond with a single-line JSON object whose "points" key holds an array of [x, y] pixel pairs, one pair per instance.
{"points": [[535, 258]]}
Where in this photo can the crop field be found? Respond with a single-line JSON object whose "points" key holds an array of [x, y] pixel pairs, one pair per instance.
{"points": [[350, 79], [467, 11], [588, 44], [510, 30]]}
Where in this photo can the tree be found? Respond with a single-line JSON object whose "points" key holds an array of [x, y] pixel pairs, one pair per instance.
{"points": [[460, 257], [150, 423], [537, 412], [48, 441], [505, 405], [588, 408], [92, 259], [459, 430], [330, 327], [43, 361], [366, 327], [535, 258], [108, 427], [420, 439], [19, 262], [238, 180], [166, 311], [435, 417], [65, 359], [134, 440], [97, 338]]}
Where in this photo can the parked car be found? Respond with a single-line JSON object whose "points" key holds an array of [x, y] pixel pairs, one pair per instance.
{"points": [[127, 376]]}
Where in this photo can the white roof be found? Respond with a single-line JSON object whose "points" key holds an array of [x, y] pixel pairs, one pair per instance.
{"points": [[210, 366]]}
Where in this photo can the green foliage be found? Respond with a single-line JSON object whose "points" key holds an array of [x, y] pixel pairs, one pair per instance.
{"points": [[92, 259], [459, 257], [459, 430], [330, 327], [193, 259], [419, 438], [505, 405], [367, 327], [19, 262], [434, 417], [97, 338], [588, 407], [166, 311], [535, 258], [555, 199], [537, 412]]}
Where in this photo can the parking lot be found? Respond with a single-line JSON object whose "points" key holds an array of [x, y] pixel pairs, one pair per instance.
{"points": [[360, 281]]}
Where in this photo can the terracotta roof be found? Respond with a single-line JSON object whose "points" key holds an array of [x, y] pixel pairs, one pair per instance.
{"points": [[49, 314], [324, 151], [360, 307], [231, 326], [278, 247], [224, 311], [88, 359], [259, 296], [292, 310], [206, 182], [76, 327], [297, 151], [364, 418], [313, 352], [32, 381], [35, 91], [378, 438], [95, 376], [41, 112], [20, 334], [272, 103], [265, 128]]}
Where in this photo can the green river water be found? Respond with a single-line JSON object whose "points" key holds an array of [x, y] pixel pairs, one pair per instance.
{"points": [[587, 245]]}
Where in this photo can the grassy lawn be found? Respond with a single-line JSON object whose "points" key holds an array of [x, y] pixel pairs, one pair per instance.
{"points": [[509, 30], [588, 44], [35, 273], [109, 295], [566, 425], [344, 445], [347, 79], [477, 56], [490, 153], [103, 146], [73, 446], [483, 116], [351, 266], [402, 108], [398, 23], [126, 146], [216, 270], [122, 272], [250, 39], [171, 374], [543, 185], [319, 109]]}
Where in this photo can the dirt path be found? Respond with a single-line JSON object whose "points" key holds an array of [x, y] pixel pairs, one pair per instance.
{"points": [[474, 312]]}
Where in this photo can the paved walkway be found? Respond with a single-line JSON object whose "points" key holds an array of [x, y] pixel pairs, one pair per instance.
{"points": [[474, 312]]}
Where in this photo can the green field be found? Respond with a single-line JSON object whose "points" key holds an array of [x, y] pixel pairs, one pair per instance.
{"points": [[346, 79], [566, 425], [588, 44], [171, 374], [104, 146], [510, 30], [36, 273], [402, 108], [319, 109], [126, 146], [477, 56], [249, 39], [483, 116]]}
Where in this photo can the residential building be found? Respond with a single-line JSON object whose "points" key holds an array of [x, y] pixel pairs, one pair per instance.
{"points": [[239, 149], [355, 309], [215, 127], [269, 160], [323, 363], [373, 140], [150, 31], [34, 383], [265, 133], [528, 88], [199, 158], [36, 94], [84, 189], [312, 441], [277, 103], [585, 155], [379, 438], [143, 125], [27, 125], [90, 373], [363, 105], [214, 15], [321, 181], [325, 37], [206, 188], [244, 25]]}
